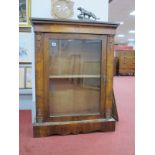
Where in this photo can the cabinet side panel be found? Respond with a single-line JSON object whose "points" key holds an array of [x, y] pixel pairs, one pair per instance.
{"points": [[39, 77], [46, 75], [109, 78]]}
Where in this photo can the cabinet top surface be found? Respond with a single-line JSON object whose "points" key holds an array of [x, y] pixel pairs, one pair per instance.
{"points": [[77, 22]]}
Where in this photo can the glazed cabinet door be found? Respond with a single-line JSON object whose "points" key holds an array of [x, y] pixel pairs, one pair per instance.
{"points": [[74, 72]]}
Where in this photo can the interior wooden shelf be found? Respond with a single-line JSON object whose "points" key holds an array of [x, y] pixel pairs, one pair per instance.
{"points": [[73, 76], [80, 114]]}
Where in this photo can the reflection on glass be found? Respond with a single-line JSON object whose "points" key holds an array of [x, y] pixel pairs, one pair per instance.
{"points": [[74, 77], [74, 96], [74, 57]]}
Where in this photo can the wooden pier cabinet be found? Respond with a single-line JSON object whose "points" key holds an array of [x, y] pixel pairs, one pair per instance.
{"points": [[126, 62], [74, 77]]}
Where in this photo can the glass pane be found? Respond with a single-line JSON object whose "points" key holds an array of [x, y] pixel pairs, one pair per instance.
{"points": [[74, 96], [74, 57], [74, 77]]}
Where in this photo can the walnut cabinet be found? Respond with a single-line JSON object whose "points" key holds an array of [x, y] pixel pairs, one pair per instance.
{"points": [[74, 77], [126, 62]]}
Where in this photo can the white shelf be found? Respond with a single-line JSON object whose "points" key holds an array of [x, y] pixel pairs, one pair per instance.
{"points": [[73, 76]]}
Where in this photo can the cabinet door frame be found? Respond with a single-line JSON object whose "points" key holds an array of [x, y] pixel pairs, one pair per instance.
{"points": [[101, 114]]}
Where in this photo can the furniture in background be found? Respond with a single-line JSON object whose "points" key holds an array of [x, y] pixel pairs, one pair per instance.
{"points": [[25, 86], [25, 76], [115, 70], [74, 77], [126, 62]]}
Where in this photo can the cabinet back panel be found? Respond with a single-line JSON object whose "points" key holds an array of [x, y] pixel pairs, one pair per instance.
{"points": [[74, 56], [74, 96]]}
